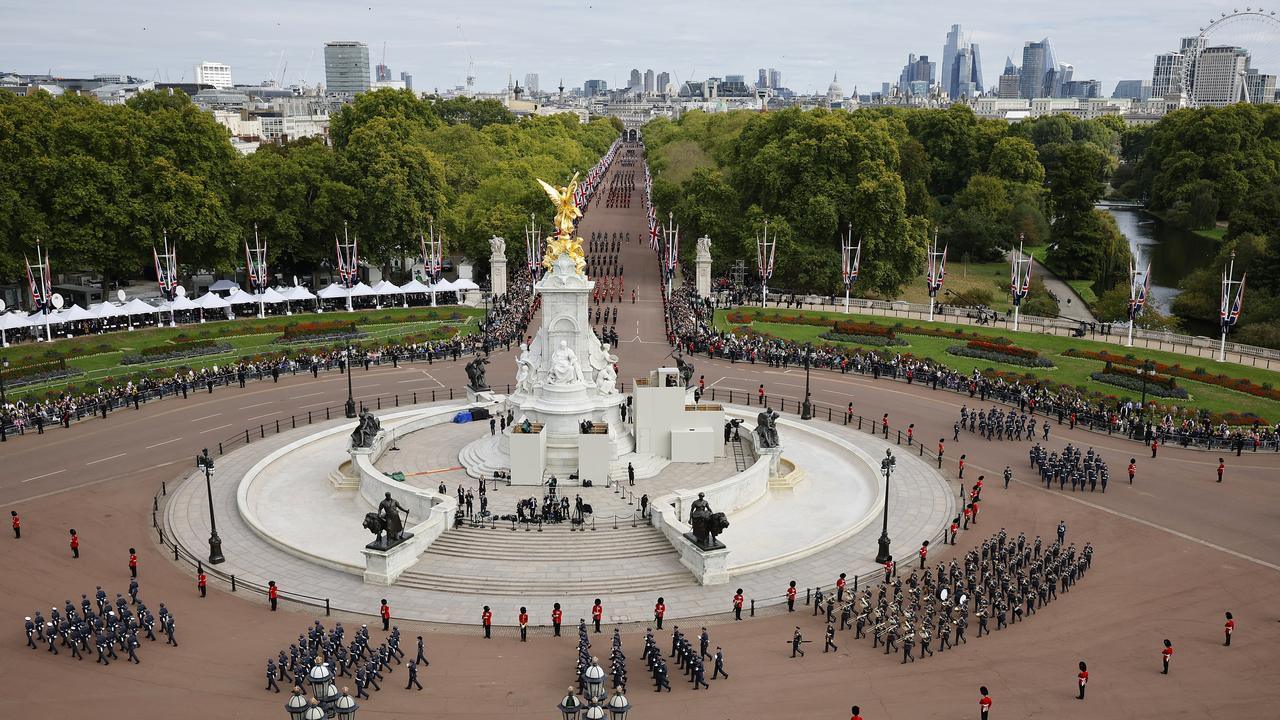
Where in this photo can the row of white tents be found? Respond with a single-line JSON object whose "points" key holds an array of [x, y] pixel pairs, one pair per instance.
{"points": [[213, 301]]}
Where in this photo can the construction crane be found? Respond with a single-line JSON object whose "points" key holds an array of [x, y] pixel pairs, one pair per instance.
{"points": [[471, 64]]}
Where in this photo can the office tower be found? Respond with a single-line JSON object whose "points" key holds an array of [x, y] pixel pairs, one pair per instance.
{"points": [[649, 80], [966, 74], [775, 78], [531, 83], [1037, 62], [635, 84], [1082, 89], [1132, 90], [763, 78], [1261, 87], [407, 79], [381, 73], [955, 41], [215, 74], [1166, 76], [917, 70], [591, 88], [1007, 87], [1218, 77], [346, 67], [663, 83]]}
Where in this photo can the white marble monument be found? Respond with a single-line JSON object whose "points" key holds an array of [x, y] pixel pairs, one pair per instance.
{"points": [[498, 266], [702, 267]]}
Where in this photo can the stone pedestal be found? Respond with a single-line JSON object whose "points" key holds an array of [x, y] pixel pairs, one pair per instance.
{"points": [[710, 567], [383, 567], [774, 455], [702, 267]]}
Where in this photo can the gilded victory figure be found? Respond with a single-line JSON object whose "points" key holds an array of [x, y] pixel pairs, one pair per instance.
{"points": [[566, 212]]}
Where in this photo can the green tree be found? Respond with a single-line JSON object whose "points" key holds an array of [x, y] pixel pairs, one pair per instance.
{"points": [[979, 219], [385, 103], [1015, 159]]}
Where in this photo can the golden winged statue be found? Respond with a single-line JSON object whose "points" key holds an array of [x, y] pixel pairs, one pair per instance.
{"points": [[566, 212]]}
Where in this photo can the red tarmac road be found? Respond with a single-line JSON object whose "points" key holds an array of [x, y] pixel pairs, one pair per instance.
{"points": [[1174, 551]]}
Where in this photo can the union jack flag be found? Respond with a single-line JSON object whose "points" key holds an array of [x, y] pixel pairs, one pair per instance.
{"points": [[1231, 310]]}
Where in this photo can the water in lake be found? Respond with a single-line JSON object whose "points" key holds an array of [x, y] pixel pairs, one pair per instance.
{"points": [[1172, 252]]}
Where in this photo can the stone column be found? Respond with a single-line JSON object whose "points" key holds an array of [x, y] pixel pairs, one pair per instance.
{"points": [[498, 266], [702, 264]]}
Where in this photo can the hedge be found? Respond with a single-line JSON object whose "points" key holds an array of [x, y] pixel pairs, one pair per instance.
{"points": [[872, 340], [1134, 383], [1000, 353], [158, 353]]}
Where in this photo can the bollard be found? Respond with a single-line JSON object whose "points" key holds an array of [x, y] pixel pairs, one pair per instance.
{"points": [[921, 449], [262, 430], [433, 396], [415, 397], [155, 503], [219, 448], [277, 426], [326, 413], [199, 566], [828, 414], [164, 490], [161, 532], [615, 522], [855, 583], [450, 393], [379, 398], [153, 519], [175, 551], [859, 422], [899, 437], [806, 595], [753, 607], [293, 421], [326, 606], [246, 437], [397, 399], [633, 519], [233, 583]]}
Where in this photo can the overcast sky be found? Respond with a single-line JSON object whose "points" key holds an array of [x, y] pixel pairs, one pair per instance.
{"points": [[807, 40]]}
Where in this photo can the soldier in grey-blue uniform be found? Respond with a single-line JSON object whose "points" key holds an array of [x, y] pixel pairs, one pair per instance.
{"points": [[413, 676], [271, 675]]}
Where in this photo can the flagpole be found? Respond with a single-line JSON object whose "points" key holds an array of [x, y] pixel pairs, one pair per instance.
{"points": [[44, 285], [1226, 307], [1132, 315]]}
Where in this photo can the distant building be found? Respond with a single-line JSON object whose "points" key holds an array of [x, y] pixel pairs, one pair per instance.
{"points": [[216, 74], [382, 73], [346, 67], [1037, 61], [649, 82], [1218, 76], [762, 78], [591, 88], [663, 83], [1166, 77], [966, 74], [917, 70], [1082, 89], [635, 84], [1262, 88], [955, 41], [1132, 90], [407, 79], [835, 94], [531, 83], [775, 79]]}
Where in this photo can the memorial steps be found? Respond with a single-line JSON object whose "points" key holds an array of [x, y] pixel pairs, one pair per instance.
{"points": [[502, 562]]}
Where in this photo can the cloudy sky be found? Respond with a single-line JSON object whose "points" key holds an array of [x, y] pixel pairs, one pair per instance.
{"points": [[808, 40]]}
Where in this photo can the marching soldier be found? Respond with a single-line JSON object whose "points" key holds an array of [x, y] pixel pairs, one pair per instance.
{"points": [[1165, 655], [796, 640], [831, 634], [421, 658], [719, 665], [413, 676]]}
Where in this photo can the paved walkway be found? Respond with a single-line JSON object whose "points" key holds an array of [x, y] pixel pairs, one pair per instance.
{"points": [[1070, 305]]}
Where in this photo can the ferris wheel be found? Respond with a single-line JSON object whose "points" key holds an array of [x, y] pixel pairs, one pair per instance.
{"points": [[1256, 30]]}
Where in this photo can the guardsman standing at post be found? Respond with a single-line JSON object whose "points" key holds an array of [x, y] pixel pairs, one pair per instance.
{"points": [[133, 562], [556, 617], [202, 583], [924, 553], [791, 596], [1082, 679], [75, 544], [840, 583], [1165, 655], [273, 594], [486, 618], [385, 612], [17, 524], [985, 703], [1221, 467], [524, 624], [1229, 628], [737, 605], [660, 608], [597, 612]]}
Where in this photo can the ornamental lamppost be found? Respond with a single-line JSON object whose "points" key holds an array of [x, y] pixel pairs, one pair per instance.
{"points": [[1147, 368], [886, 467], [806, 412], [618, 706], [351, 398], [346, 706], [296, 705], [570, 706], [594, 677], [204, 462]]}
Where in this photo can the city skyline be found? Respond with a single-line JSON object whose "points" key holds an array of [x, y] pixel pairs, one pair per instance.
{"points": [[286, 42]]}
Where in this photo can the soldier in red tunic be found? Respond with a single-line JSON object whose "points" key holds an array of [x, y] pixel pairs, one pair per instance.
{"points": [[486, 619]]}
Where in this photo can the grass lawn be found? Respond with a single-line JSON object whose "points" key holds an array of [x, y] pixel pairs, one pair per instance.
{"points": [[1215, 234], [99, 355], [1074, 371], [962, 277], [1084, 288]]}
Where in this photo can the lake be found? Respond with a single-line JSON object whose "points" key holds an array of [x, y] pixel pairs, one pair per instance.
{"points": [[1172, 252]]}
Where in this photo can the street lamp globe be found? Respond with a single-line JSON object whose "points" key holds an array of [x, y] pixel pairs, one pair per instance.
{"points": [[314, 711], [594, 711], [296, 704], [570, 706], [319, 676], [618, 705], [328, 696], [594, 677], [346, 706]]}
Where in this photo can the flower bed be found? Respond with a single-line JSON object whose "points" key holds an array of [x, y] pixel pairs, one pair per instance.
{"points": [[742, 316], [858, 339], [1010, 354], [192, 348], [1198, 374], [319, 331], [32, 373], [1155, 385]]}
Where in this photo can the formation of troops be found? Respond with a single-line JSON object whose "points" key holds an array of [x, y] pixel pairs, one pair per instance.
{"points": [[1073, 467], [689, 657], [999, 424], [359, 658], [605, 270], [1001, 582], [110, 627], [619, 191]]}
